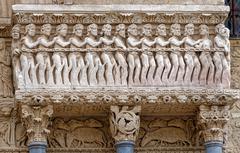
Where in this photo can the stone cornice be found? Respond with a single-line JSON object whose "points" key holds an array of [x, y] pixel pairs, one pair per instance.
{"points": [[131, 95], [118, 8]]}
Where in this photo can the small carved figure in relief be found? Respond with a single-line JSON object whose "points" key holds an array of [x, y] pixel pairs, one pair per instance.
{"points": [[193, 66], [147, 58], [133, 58], [92, 58], [162, 59], [207, 70], [15, 47], [121, 75], [42, 57], [76, 61], [61, 42], [222, 59], [58, 64], [26, 59], [178, 65], [106, 56]]}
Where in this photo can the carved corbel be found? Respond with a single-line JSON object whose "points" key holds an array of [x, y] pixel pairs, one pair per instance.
{"points": [[36, 120], [212, 120], [125, 122]]}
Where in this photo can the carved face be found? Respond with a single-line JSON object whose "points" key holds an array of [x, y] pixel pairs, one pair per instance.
{"points": [[6, 111], [46, 30], [133, 30], [203, 30], [94, 30], [161, 30], [224, 32], [189, 29], [63, 31], [147, 30], [78, 31], [15, 34], [107, 29], [31, 31], [175, 30]]}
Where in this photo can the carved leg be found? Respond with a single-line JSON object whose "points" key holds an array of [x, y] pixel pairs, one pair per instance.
{"points": [[109, 69], [167, 69], [204, 70], [131, 64], [196, 71], [145, 66], [137, 70], [151, 70], [218, 65], [159, 70], [226, 73], [175, 65], [25, 66], [181, 70], [189, 68]]}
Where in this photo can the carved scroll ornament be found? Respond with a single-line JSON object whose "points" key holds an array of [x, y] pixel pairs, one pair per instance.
{"points": [[124, 122]]}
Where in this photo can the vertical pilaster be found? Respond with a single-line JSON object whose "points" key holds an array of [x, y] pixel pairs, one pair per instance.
{"points": [[36, 119], [124, 125], [212, 120]]}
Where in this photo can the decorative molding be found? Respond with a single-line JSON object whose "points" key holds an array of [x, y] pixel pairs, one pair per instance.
{"points": [[212, 120], [36, 119], [125, 122]]}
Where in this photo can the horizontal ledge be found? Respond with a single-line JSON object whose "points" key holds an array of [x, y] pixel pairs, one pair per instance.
{"points": [[28, 8], [121, 50]]}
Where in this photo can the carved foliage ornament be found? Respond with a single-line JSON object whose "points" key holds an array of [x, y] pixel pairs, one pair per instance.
{"points": [[212, 120], [36, 120], [124, 122]]}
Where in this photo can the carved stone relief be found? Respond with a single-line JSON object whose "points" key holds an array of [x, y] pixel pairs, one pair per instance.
{"points": [[89, 60]]}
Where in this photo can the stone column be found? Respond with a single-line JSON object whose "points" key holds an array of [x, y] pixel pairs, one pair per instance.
{"points": [[212, 120], [124, 126], [36, 120]]}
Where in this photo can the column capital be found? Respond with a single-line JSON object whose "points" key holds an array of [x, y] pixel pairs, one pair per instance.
{"points": [[36, 120], [125, 122], [212, 120]]}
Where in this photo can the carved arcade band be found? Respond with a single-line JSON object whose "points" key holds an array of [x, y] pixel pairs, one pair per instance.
{"points": [[173, 62]]}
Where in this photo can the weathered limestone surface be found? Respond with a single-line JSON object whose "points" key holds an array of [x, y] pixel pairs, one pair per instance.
{"points": [[86, 75]]}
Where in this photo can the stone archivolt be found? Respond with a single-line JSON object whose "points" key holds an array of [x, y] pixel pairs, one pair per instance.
{"points": [[89, 60]]}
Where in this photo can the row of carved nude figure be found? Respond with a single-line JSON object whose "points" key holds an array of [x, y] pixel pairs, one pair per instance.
{"points": [[106, 40], [130, 68]]}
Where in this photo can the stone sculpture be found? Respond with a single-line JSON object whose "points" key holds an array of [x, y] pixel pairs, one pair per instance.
{"points": [[178, 65], [207, 66], [221, 59], [193, 66], [147, 58], [162, 59], [133, 59], [121, 74]]}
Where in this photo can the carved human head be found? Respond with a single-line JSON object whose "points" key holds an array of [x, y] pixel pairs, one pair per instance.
{"points": [[132, 29], [203, 29], [92, 29], [78, 30], [16, 32], [161, 30], [30, 30], [107, 29], [189, 29], [222, 30], [46, 29], [62, 29], [120, 29], [147, 30], [175, 29], [6, 109]]}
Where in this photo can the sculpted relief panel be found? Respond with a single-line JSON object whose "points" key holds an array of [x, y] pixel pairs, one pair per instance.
{"points": [[136, 59]]}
